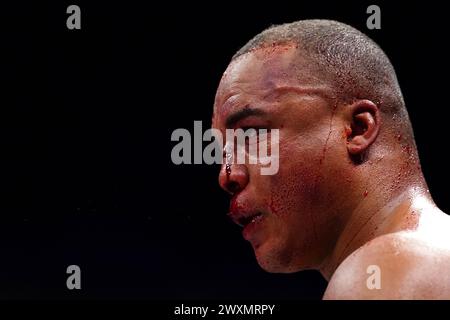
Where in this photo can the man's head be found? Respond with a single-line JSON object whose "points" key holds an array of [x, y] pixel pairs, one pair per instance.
{"points": [[344, 134]]}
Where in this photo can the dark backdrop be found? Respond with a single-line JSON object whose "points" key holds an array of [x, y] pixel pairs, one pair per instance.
{"points": [[85, 123]]}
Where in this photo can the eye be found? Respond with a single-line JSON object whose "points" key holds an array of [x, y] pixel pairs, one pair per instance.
{"points": [[250, 130], [256, 128], [254, 132]]}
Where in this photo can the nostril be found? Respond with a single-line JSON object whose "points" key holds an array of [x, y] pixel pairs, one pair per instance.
{"points": [[233, 187]]}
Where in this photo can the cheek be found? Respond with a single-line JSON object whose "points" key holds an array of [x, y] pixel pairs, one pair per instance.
{"points": [[296, 186]]}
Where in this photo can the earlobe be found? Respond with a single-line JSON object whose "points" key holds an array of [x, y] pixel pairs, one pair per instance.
{"points": [[363, 127]]}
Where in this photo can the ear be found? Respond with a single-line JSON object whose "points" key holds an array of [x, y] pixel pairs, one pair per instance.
{"points": [[363, 126]]}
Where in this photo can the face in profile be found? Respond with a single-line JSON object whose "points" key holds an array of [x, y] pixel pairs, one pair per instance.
{"points": [[293, 217]]}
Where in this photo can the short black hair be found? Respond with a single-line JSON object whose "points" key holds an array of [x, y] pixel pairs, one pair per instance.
{"points": [[358, 67]]}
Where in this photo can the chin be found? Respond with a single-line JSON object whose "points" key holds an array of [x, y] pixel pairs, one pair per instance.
{"points": [[276, 259]]}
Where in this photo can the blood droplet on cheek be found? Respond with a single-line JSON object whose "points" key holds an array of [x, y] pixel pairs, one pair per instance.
{"points": [[292, 188], [272, 206]]}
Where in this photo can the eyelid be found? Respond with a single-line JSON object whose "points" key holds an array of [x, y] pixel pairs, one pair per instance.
{"points": [[257, 131], [251, 122], [257, 128]]}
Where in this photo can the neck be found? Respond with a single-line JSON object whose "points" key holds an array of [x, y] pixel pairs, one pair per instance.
{"points": [[371, 218]]}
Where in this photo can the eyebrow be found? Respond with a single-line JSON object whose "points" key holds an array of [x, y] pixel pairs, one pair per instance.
{"points": [[242, 114]]}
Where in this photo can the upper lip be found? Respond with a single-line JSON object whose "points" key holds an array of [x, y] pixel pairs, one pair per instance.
{"points": [[242, 217]]}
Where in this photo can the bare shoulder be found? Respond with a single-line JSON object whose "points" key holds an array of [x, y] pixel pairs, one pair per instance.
{"points": [[402, 265]]}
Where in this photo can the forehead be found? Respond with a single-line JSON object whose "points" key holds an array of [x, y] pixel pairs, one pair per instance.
{"points": [[258, 72], [260, 68]]}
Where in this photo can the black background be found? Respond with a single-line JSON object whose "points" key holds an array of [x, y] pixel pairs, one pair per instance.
{"points": [[86, 118]]}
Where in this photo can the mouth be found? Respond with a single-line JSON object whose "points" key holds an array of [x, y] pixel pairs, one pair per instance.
{"points": [[252, 224], [250, 218], [243, 219]]}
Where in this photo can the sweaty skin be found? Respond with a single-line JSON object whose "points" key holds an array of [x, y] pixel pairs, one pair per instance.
{"points": [[324, 209]]}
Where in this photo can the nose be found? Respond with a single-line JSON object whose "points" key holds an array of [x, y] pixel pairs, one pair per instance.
{"points": [[233, 178]]}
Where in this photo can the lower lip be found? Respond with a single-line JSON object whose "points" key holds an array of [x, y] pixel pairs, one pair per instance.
{"points": [[250, 231]]}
